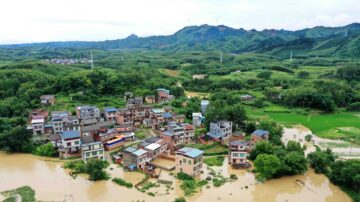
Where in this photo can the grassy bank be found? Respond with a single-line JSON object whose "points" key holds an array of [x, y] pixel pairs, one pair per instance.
{"points": [[26, 193]]}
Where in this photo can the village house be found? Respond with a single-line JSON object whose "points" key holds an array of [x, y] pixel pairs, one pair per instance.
{"points": [[147, 122], [91, 149], [97, 128], [178, 134], [220, 130], [189, 161], [203, 105], [110, 114], [135, 157], [55, 140], [70, 144], [88, 113], [125, 130], [197, 119], [155, 147], [124, 116], [246, 98], [38, 124], [164, 95], [150, 99], [198, 76], [259, 135], [157, 118], [238, 151], [128, 95], [180, 118], [43, 112], [47, 99], [63, 121], [138, 110]]}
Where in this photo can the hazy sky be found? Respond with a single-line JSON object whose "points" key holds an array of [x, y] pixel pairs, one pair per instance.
{"points": [[61, 20]]}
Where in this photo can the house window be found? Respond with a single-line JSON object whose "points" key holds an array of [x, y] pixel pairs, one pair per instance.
{"points": [[76, 142], [101, 152], [94, 153], [87, 154], [189, 162]]}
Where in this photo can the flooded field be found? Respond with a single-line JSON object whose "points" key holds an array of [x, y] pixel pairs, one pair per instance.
{"points": [[52, 183]]}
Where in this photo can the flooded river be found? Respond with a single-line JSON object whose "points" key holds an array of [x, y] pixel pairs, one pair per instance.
{"points": [[52, 183]]}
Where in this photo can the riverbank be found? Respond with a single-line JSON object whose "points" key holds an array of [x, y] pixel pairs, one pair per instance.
{"points": [[42, 175]]}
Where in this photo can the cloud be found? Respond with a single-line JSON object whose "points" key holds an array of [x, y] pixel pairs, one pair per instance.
{"points": [[61, 20]]}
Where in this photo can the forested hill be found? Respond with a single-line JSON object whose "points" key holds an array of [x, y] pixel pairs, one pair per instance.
{"points": [[318, 41]]}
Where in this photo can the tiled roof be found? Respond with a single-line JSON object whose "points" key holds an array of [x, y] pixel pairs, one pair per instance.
{"points": [[190, 152], [70, 134], [110, 109], [261, 132], [130, 149], [139, 152], [167, 115], [239, 143]]}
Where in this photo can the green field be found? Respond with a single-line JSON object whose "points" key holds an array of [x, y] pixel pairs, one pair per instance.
{"points": [[341, 125]]}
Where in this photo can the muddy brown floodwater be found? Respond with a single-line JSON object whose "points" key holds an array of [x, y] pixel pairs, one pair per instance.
{"points": [[52, 183]]}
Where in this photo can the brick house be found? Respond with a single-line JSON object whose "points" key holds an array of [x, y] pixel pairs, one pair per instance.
{"points": [[259, 135], [88, 113], [47, 99], [178, 134], [220, 130], [164, 95], [70, 144], [91, 149], [238, 151], [134, 156], [189, 161], [110, 114]]}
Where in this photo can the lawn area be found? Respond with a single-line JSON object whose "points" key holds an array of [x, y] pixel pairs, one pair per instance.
{"points": [[341, 125], [196, 94], [211, 149], [27, 194], [142, 133], [214, 161], [169, 72], [350, 134]]}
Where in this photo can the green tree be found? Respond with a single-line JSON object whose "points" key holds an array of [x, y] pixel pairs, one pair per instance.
{"points": [[95, 169], [295, 162], [303, 74], [46, 150], [265, 75], [275, 131], [262, 147], [294, 146], [266, 166], [321, 160]]}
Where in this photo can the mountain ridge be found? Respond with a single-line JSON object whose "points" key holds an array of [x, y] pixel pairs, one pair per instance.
{"points": [[233, 40]]}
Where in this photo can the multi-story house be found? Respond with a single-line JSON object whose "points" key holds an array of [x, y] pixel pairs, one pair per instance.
{"points": [[110, 114], [156, 116], [150, 99], [91, 149], [164, 95], [197, 119], [238, 151], [124, 117], [178, 134], [204, 104], [47, 99], [259, 135], [133, 156], [155, 147], [220, 130], [63, 121], [189, 161], [37, 124], [70, 144], [88, 113]]}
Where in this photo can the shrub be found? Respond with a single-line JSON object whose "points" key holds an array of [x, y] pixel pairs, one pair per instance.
{"points": [[46, 150], [122, 182]]}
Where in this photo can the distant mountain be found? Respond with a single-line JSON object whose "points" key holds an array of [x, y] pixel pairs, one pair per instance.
{"points": [[317, 41]]}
